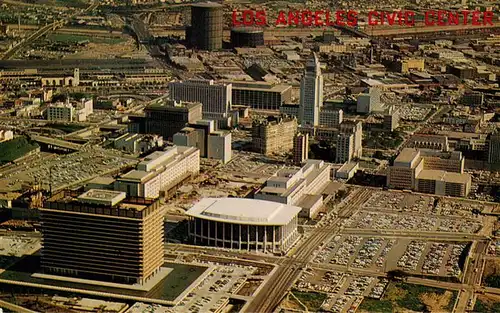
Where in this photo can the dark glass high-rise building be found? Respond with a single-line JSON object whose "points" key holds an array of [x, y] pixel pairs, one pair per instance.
{"points": [[206, 28]]}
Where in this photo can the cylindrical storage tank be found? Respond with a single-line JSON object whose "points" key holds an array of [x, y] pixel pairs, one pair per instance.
{"points": [[206, 26], [247, 37]]}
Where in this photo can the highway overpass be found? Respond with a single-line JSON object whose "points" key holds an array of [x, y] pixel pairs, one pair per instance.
{"points": [[56, 144]]}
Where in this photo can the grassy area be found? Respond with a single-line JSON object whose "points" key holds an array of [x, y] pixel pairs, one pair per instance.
{"points": [[312, 300], [70, 3], [67, 128], [15, 148], [71, 38], [372, 305], [402, 296], [382, 140], [482, 306]]}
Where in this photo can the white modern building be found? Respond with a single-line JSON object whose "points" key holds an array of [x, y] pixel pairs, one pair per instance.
{"points": [[311, 93], [347, 170], [215, 98], [137, 143], [244, 224], [6, 135], [70, 111], [219, 146], [301, 187], [159, 172]]}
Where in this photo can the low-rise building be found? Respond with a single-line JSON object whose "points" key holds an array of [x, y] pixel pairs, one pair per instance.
{"points": [[160, 171], [430, 171], [347, 170], [138, 143], [244, 224], [301, 187], [6, 135]]}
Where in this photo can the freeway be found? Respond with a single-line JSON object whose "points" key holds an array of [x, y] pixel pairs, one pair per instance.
{"points": [[42, 31], [289, 268]]}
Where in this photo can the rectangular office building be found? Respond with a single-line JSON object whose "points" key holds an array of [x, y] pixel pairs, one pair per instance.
{"points": [[261, 95], [102, 235]]}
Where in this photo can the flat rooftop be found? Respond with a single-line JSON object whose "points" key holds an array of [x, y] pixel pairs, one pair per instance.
{"points": [[449, 177], [98, 196], [244, 211], [407, 155], [347, 167], [259, 86], [135, 175]]}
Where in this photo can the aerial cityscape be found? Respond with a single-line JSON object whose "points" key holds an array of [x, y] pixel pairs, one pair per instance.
{"points": [[194, 156]]}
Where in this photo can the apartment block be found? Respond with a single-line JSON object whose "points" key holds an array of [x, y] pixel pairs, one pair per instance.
{"points": [[274, 135], [159, 172], [102, 235]]}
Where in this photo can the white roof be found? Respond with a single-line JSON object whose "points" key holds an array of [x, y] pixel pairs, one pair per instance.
{"points": [[244, 211]]}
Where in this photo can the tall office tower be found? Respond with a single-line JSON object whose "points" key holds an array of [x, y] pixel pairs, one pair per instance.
{"points": [[345, 148], [102, 235], [369, 101], [311, 93], [169, 117], [274, 135], [391, 119], [300, 148], [494, 149], [216, 98], [219, 146], [349, 141], [205, 32]]}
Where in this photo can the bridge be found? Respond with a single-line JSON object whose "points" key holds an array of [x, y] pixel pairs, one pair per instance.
{"points": [[42, 31], [56, 144]]}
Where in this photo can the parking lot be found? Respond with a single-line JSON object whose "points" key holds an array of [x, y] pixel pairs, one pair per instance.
{"points": [[345, 291], [395, 221], [379, 255], [414, 113], [66, 169], [212, 294]]}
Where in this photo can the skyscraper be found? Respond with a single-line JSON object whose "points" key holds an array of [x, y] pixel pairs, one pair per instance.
{"points": [[494, 149], [349, 141], [311, 93], [300, 148]]}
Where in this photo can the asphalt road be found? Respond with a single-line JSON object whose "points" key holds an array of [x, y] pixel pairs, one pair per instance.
{"points": [[290, 267]]}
